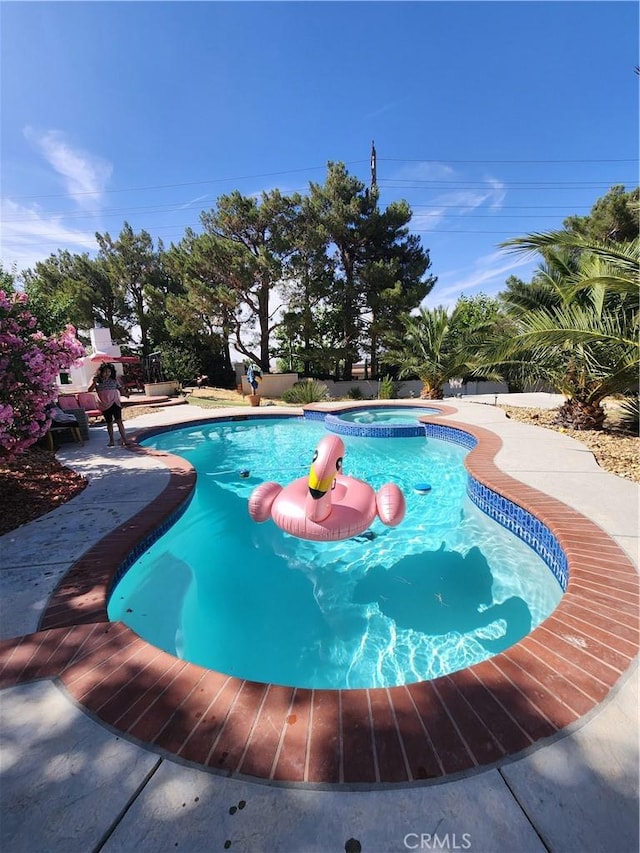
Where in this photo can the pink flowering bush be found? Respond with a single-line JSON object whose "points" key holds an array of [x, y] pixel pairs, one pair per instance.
{"points": [[29, 366]]}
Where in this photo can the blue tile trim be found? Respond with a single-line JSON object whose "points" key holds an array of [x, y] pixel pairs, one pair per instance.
{"points": [[146, 543], [516, 519], [313, 415], [525, 525], [451, 434], [335, 424]]}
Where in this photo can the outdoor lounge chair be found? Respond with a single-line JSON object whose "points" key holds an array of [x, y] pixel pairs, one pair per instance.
{"points": [[63, 421], [69, 403], [88, 400]]}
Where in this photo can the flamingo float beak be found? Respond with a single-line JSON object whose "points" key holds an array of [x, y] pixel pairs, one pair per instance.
{"points": [[326, 465], [319, 486]]}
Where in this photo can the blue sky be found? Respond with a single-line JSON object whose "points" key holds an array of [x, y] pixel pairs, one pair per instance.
{"points": [[492, 119]]}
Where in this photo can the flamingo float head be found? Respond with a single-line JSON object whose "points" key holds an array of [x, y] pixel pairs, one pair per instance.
{"points": [[326, 465]]}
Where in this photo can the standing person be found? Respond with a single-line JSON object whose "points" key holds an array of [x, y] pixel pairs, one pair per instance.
{"points": [[108, 386], [252, 379]]}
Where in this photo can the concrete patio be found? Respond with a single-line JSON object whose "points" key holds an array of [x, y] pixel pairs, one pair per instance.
{"points": [[70, 783]]}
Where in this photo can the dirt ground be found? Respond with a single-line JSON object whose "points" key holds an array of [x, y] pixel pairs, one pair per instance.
{"points": [[36, 482]]}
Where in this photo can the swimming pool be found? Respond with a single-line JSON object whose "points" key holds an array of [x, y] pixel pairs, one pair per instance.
{"points": [[446, 589], [387, 415], [391, 420]]}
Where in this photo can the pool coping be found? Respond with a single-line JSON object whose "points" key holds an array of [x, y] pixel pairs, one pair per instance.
{"points": [[432, 730]]}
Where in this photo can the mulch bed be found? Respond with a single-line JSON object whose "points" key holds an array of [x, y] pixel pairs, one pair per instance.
{"points": [[32, 485]]}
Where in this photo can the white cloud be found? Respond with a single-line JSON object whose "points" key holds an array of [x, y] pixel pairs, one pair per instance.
{"points": [[433, 204], [192, 202], [488, 275], [29, 235], [499, 193], [85, 174], [427, 221], [454, 204], [466, 201], [422, 171]]}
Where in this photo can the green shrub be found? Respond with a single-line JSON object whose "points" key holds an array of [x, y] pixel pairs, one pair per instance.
{"points": [[388, 389], [179, 364], [355, 393], [306, 391], [630, 414]]}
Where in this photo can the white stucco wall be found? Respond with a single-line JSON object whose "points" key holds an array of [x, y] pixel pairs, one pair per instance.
{"points": [[81, 374], [272, 384]]}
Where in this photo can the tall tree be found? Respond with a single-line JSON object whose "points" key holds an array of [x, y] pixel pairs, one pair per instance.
{"points": [[7, 280], [165, 283], [342, 207], [76, 289], [249, 244], [379, 266], [203, 310], [307, 285], [392, 274], [132, 265], [613, 217]]}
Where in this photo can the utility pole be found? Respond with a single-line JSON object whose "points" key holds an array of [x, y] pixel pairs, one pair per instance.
{"points": [[374, 182]]}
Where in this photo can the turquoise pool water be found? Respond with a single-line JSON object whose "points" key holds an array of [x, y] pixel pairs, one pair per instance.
{"points": [[445, 589], [387, 416]]}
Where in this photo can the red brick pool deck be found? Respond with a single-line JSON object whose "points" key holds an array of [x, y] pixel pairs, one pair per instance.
{"points": [[460, 722]]}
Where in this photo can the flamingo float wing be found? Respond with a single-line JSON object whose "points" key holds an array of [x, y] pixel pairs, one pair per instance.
{"points": [[261, 500], [391, 504]]}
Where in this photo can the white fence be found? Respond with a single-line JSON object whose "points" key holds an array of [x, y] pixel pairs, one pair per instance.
{"points": [[411, 388], [273, 385]]}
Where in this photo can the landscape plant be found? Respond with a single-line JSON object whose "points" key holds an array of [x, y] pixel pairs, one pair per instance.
{"points": [[303, 392], [355, 393], [630, 414], [435, 346], [179, 364], [388, 389], [29, 366], [583, 335]]}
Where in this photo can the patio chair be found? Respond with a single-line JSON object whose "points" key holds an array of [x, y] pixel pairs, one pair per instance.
{"points": [[68, 402], [88, 400], [63, 421]]}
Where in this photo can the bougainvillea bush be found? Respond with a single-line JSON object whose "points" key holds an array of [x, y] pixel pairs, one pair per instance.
{"points": [[29, 366]]}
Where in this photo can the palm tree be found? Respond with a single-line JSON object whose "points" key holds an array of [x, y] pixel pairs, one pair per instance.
{"points": [[433, 347], [584, 339]]}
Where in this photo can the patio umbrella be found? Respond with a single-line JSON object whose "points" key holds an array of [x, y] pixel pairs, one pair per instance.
{"points": [[115, 359]]}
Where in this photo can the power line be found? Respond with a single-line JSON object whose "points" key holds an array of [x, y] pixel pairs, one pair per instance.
{"points": [[316, 168], [186, 183], [502, 162], [502, 206], [484, 185], [109, 214], [175, 207]]}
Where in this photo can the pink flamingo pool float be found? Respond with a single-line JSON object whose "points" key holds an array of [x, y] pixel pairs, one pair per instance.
{"points": [[326, 505]]}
